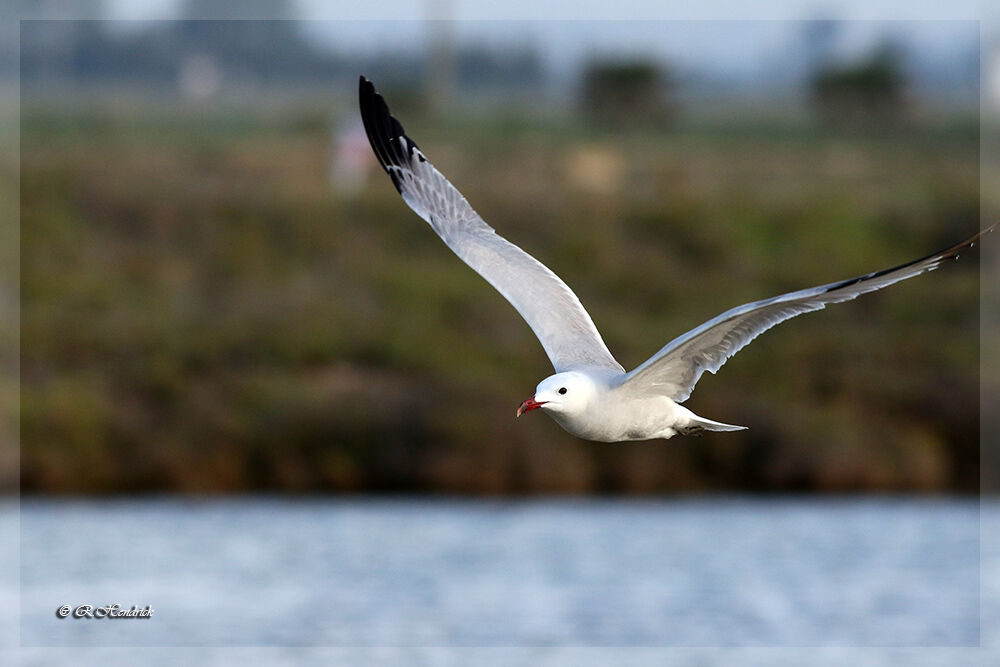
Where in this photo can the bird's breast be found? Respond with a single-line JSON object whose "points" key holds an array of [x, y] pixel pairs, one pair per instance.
{"points": [[618, 419]]}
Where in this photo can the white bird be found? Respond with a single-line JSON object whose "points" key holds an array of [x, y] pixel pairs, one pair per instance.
{"points": [[591, 395]]}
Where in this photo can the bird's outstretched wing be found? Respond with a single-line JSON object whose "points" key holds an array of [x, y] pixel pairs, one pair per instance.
{"points": [[677, 367], [551, 308]]}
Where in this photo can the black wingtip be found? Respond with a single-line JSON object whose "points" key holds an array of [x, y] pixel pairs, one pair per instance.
{"points": [[383, 130], [949, 253], [953, 251]]}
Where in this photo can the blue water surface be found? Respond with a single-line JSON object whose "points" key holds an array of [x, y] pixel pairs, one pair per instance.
{"points": [[409, 572]]}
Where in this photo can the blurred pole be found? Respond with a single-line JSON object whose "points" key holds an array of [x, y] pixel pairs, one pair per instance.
{"points": [[440, 82]]}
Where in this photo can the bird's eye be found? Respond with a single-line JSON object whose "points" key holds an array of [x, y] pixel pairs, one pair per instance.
{"points": [[562, 390]]}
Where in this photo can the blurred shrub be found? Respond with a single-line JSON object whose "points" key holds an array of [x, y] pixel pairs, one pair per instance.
{"points": [[200, 312], [866, 93], [627, 92]]}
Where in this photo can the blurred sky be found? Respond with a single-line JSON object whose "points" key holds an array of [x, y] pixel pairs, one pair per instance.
{"points": [[739, 47], [765, 52], [599, 9]]}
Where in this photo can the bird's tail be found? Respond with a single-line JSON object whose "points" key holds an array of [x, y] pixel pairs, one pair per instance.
{"points": [[698, 424]]}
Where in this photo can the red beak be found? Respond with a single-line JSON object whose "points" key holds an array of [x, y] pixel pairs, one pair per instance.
{"points": [[529, 405]]}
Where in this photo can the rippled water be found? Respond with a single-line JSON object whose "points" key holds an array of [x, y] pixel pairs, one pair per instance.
{"points": [[405, 572], [828, 582]]}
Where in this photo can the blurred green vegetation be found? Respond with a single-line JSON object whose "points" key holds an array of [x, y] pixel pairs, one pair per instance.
{"points": [[201, 311], [628, 92], [867, 92]]}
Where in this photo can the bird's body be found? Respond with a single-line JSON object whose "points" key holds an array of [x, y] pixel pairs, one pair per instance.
{"points": [[599, 405], [616, 417], [591, 395]]}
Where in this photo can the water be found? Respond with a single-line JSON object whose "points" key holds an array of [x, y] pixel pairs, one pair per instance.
{"points": [[422, 573]]}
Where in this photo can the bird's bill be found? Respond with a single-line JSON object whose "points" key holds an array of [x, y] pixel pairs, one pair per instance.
{"points": [[529, 405]]}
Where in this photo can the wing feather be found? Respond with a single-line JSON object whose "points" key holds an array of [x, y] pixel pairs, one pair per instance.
{"points": [[677, 367], [550, 308]]}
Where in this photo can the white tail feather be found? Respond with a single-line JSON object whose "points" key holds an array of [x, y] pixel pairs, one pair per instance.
{"points": [[701, 424]]}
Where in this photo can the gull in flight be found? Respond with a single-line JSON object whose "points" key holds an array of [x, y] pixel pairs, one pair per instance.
{"points": [[591, 395]]}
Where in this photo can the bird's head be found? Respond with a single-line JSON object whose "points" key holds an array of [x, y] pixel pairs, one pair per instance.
{"points": [[566, 393]]}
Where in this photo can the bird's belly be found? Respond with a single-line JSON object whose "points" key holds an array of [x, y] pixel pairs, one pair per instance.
{"points": [[613, 421]]}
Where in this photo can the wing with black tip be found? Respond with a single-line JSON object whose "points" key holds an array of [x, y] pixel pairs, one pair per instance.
{"points": [[550, 308], [677, 367]]}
